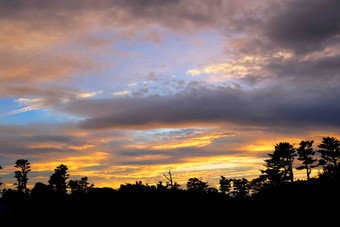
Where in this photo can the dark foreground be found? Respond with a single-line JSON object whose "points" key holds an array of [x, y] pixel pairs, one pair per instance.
{"points": [[315, 201]]}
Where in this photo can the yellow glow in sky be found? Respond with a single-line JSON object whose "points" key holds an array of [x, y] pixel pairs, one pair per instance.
{"points": [[199, 141]]}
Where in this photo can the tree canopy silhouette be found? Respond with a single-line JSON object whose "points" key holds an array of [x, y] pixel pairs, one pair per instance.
{"points": [[58, 179], [241, 188], [197, 185], [24, 168], [330, 154], [280, 164], [306, 153], [0, 177], [225, 185], [80, 186]]}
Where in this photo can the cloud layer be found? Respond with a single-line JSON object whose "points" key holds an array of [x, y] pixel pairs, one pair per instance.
{"points": [[273, 106]]}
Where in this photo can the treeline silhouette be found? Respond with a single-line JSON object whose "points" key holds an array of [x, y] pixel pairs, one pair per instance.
{"points": [[275, 193]]}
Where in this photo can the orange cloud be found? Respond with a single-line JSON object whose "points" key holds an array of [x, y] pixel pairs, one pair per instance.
{"points": [[73, 162], [196, 141], [192, 142], [82, 147]]}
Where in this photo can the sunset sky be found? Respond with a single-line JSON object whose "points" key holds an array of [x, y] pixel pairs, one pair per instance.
{"points": [[125, 90]]}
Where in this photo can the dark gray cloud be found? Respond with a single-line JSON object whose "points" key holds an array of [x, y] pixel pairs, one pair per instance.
{"points": [[320, 71], [66, 139], [14, 146], [179, 155], [280, 105], [34, 139], [306, 25], [174, 14]]}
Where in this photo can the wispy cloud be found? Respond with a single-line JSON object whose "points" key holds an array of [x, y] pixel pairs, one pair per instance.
{"points": [[89, 94], [121, 92], [132, 85], [193, 72], [241, 67], [29, 105], [200, 141]]}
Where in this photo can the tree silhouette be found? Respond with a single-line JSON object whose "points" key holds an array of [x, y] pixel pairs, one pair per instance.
{"points": [[80, 186], [330, 154], [272, 173], [41, 191], [280, 164], [306, 153], [170, 184], [196, 185], [259, 183], [160, 186], [211, 190], [138, 186], [241, 188], [168, 176], [24, 167], [225, 185], [0, 177], [58, 179]]}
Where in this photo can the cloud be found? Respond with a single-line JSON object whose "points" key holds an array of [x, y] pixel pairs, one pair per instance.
{"points": [[193, 72], [49, 100], [132, 85], [182, 141], [306, 25], [272, 57], [121, 92], [193, 142], [89, 94], [271, 106], [44, 44], [30, 104], [18, 68], [241, 67]]}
